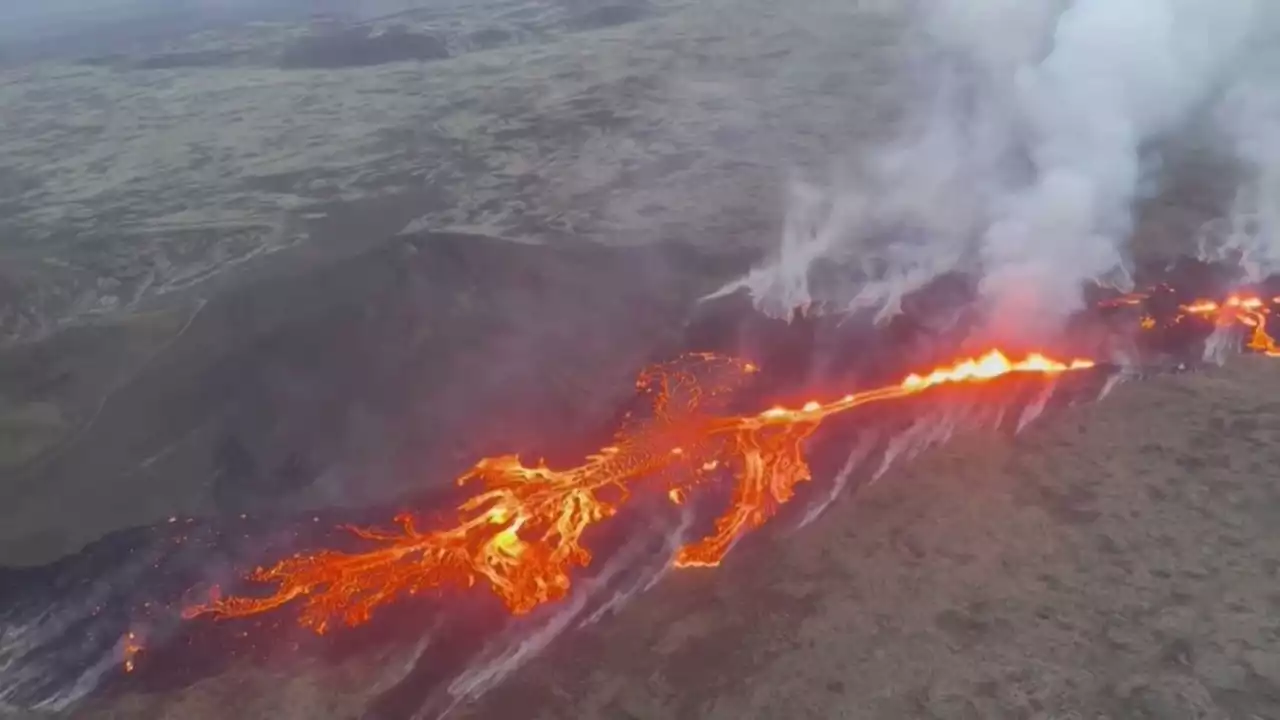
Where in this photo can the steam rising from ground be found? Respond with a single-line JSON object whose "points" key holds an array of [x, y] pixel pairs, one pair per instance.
{"points": [[1026, 160], [1248, 116]]}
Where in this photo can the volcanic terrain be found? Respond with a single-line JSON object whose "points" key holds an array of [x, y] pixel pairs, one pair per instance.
{"points": [[263, 281]]}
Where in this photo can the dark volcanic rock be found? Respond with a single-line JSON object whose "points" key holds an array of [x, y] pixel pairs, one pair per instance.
{"points": [[194, 59], [356, 47], [357, 388], [347, 392], [355, 381], [609, 15], [489, 38], [408, 363]]}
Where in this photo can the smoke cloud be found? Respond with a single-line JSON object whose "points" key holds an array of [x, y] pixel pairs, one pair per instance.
{"points": [[1024, 164]]}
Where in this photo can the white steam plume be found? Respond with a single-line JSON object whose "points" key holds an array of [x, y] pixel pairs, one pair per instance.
{"points": [[1120, 74], [1024, 164], [1249, 115]]}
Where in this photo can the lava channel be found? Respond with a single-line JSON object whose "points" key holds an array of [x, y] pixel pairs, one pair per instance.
{"points": [[521, 533]]}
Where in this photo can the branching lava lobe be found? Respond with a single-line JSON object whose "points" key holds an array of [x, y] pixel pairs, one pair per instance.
{"points": [[521, 533]]}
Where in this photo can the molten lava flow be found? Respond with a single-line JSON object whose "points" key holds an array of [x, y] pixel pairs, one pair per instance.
{"points": [[521, 533], [131, 645], [1252, 312], [766, 451], [1249, 311]]}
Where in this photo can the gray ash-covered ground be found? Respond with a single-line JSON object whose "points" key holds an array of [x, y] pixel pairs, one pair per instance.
{"points": [[129, 180], [205, 319]]}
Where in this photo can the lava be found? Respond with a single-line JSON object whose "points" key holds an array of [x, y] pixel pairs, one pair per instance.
{"points": [[1251, 312], [521, 532], [131, 645]]}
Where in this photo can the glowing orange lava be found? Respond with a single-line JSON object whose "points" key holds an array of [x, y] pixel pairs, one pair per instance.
{"points": [[1252, 312], [521, 533], [130, 647]]}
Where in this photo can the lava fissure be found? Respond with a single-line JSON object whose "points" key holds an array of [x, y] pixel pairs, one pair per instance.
{"points": [[521, 533]]}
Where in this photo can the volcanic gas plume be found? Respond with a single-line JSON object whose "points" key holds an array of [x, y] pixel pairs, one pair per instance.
{"points": [[522, 532], [1037, 129]]}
